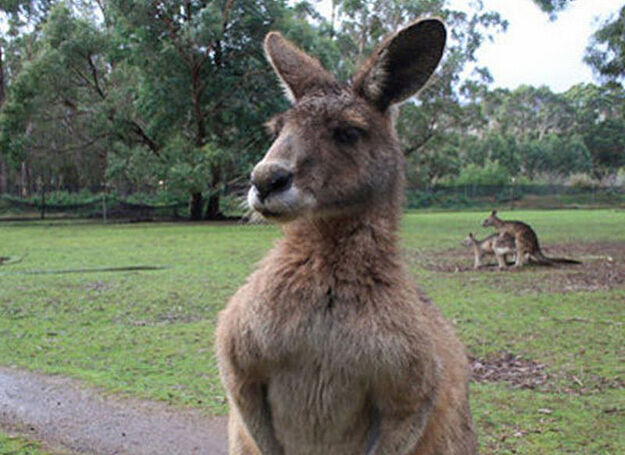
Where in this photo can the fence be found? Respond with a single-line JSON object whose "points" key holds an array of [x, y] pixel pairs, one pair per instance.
{"points": [[105, 206], [515, 196], [102, 206]]}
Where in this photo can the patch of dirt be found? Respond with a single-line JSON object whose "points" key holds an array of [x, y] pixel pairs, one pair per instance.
{"points": [[602, 267], [68, 417], [95, 286], [522, 373], [511, 368]]}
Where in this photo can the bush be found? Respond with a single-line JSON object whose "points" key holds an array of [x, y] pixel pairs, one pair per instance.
{"points": [[620, 177], [492, 173], [581, 180], [420, 199]]}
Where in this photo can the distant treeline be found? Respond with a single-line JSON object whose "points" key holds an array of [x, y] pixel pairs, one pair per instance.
{"points": [[127, 97]]}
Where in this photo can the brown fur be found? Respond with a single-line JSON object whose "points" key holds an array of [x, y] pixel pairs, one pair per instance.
{"points": [[499, 246], [329, 348], [525, 241]]}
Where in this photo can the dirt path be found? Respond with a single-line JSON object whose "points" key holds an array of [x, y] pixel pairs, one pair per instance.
{"points": [[70, 417]]}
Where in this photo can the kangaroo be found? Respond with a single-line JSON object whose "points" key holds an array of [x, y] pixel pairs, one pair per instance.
{"points": [[329, 348], [498, 246], [525, 241]]}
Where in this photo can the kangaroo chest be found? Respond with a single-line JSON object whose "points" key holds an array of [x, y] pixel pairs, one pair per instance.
{"points": [[322, 349]]}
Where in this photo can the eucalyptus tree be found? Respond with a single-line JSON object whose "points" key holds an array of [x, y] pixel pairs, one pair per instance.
{"points": [[202, 85], [162, 92], [606, 50], [600, 121], [16, 15], [552, 7], [51, 116], [428, 127]]}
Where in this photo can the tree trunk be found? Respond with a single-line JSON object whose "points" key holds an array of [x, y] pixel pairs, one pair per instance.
{"points": [[4, 171], [1, 79], [4, 176], [213, 211], [196, 206], [42, 208], [24, 180]]}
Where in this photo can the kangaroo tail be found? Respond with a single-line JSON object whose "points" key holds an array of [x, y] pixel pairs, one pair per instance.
{"points": [[564, 261], [542, 259]]}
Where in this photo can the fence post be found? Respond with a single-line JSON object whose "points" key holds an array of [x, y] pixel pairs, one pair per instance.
{"points": [[104, 207], [42, 206], [512, 193]]}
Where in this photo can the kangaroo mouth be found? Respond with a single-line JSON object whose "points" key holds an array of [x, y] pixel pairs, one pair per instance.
{"points": [[281, 207]]}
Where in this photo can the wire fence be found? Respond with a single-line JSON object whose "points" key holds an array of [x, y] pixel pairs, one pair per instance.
{"points": [[102, 206], [515, 196], [106, 206]]}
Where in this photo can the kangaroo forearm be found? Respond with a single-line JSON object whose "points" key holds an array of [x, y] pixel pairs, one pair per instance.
{"points": [[256, 416], [400, 437]]}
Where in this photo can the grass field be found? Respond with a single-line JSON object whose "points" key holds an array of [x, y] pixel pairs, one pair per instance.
{"points": [[150, 333], [13, 445]]}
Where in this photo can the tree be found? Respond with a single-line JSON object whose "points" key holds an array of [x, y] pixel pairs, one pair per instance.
{"points": [[202, 86], [4, 171], [50, 120], [600, 121], [552, 6], [157, 94], [527, 112], [606, 51], [425, 127]]}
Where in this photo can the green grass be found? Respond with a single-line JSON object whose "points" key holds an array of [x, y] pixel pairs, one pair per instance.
{"points": [[150, 334], [14, 445]]}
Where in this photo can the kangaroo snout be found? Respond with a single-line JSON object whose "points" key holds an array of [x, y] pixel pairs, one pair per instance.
{"points": [[268, 178]]}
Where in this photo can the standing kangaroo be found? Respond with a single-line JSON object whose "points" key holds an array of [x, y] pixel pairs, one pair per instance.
{"points": [[329, 349], [500, 246], [525, 240]]}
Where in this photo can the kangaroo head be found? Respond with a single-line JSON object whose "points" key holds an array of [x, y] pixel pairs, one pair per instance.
{"points": [[469, 239], [335, 149], [492, 218]]}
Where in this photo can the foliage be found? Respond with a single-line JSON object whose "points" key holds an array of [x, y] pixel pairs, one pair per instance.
{"points": [[131, 96], [552, 6], [606, 51], [582, 180], [620, 177], [492, 173]]}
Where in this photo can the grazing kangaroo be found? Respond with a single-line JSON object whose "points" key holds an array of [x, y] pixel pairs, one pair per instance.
{"points": [[525, 241], [499, 246], [329, 348]]}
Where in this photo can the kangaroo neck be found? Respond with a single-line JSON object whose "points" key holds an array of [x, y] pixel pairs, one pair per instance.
{"points": [[363, 240], [499, 223], [477, 246]]}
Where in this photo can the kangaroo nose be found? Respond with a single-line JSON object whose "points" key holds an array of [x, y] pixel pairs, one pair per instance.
{"points": [[270, 178]]}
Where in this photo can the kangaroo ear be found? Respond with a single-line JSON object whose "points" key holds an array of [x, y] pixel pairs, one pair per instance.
{"points": [[402, 64], [493, 213], [298, 71]]}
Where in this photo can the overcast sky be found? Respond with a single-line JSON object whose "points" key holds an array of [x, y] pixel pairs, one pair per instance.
{"points": [[537, 51]]}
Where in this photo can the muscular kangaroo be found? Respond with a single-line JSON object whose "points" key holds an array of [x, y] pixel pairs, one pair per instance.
{"points": [[499, 246], [526, 241], [329, 348]]}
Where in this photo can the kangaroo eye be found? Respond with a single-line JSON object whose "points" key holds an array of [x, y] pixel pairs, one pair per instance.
{"points": [[347, 135]]}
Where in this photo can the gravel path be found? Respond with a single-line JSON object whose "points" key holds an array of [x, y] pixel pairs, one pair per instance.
{"points": [[70, 417]]}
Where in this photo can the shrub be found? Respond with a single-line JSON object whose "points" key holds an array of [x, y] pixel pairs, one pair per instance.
{"points": [[492, 173], [620, 177], [581, 180], [420, 199]]}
